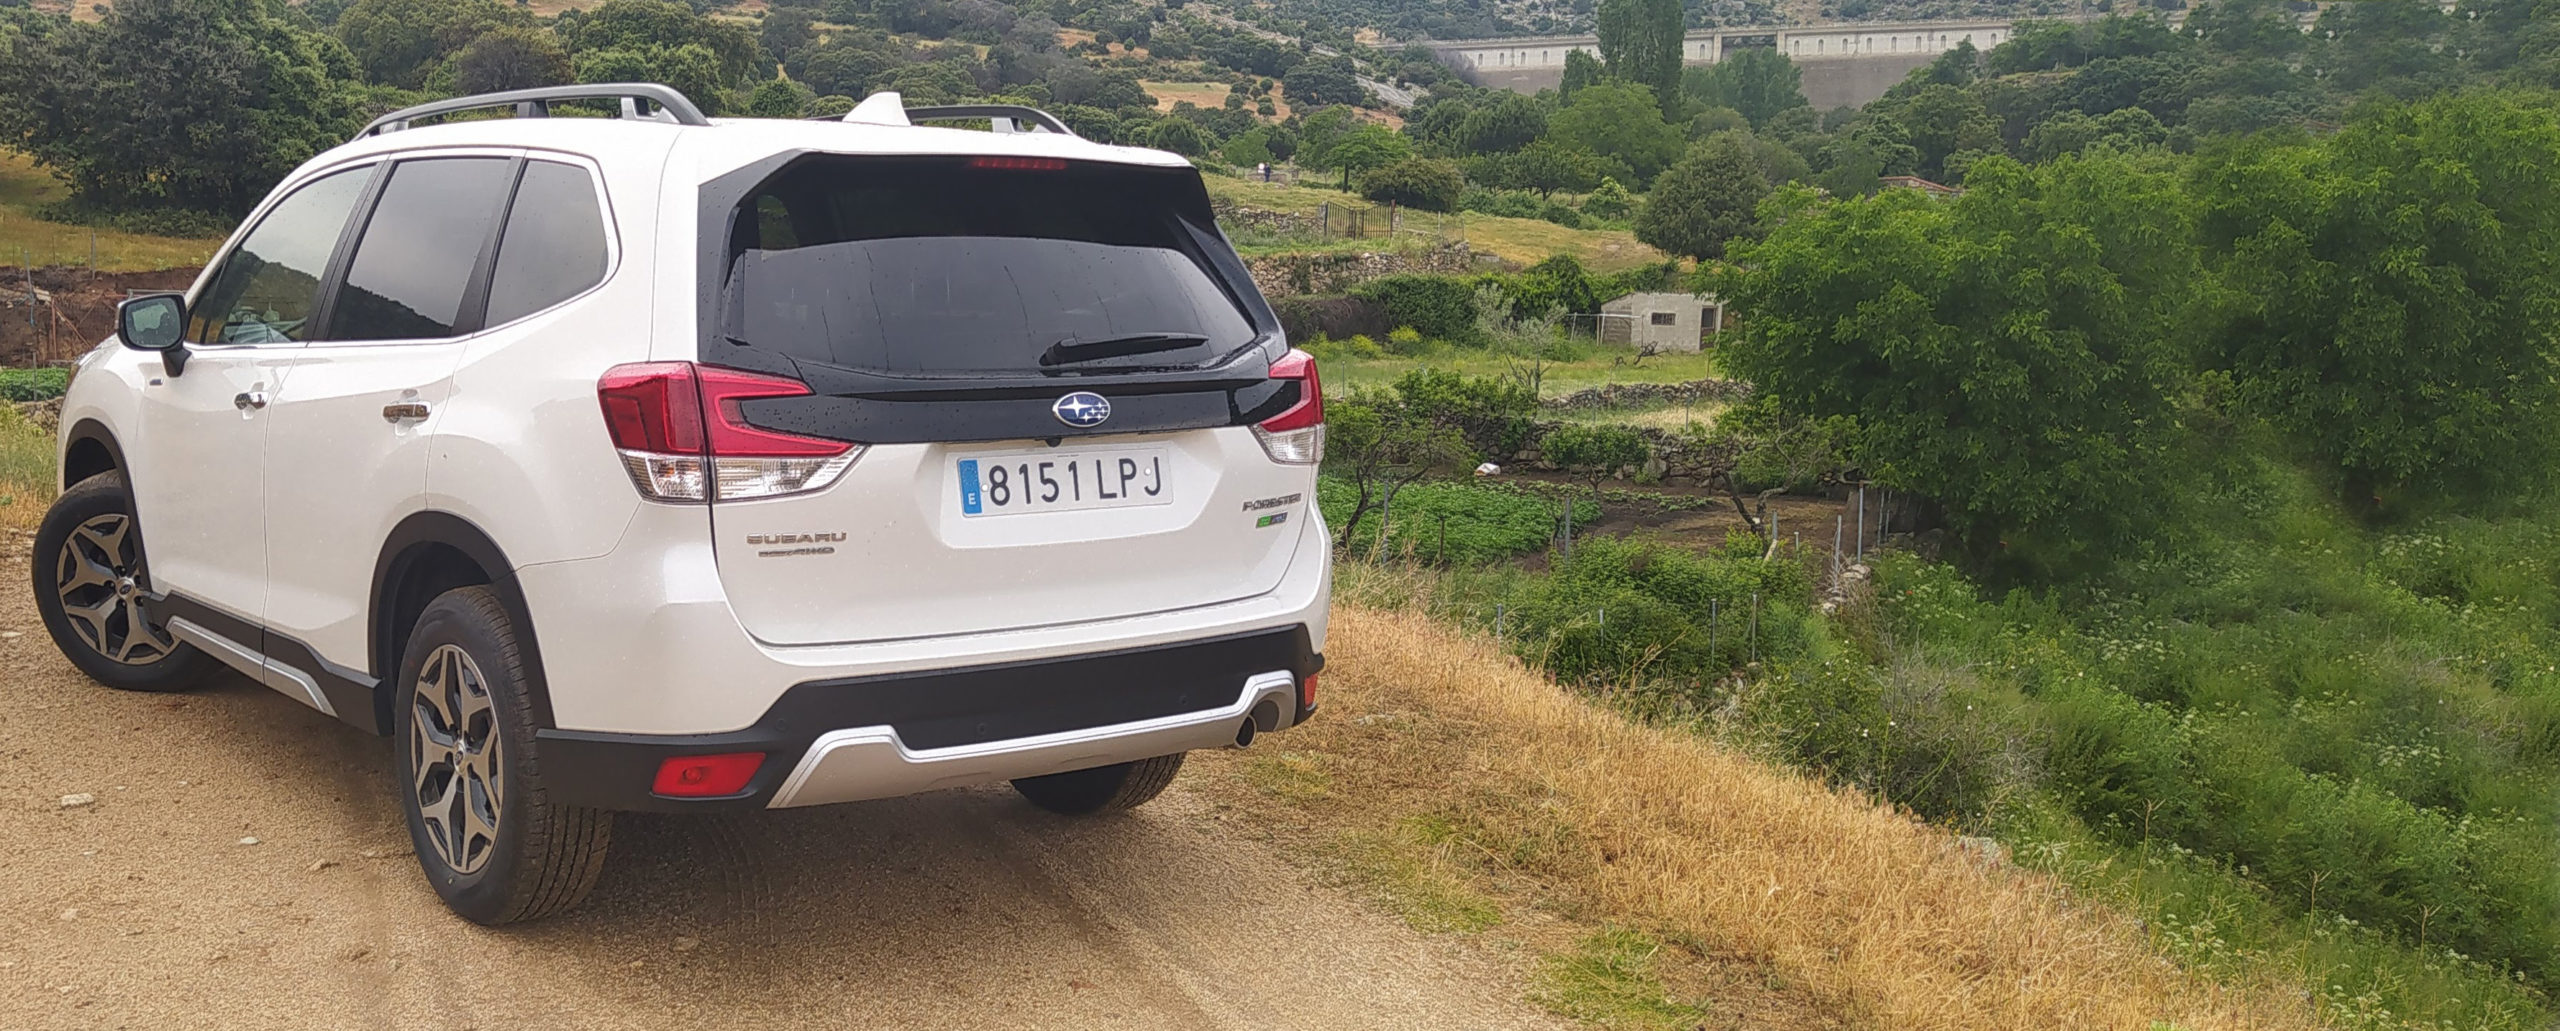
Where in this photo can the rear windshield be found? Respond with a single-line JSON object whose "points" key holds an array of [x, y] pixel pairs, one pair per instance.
{"points": [[938, 266]]}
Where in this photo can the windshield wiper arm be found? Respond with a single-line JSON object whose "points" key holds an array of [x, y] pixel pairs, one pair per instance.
{"points": [[1069, 352]]}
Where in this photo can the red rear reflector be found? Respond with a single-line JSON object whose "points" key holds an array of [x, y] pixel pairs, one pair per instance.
{"points": [[707, 776], [1307, 691], [1019, 164]]}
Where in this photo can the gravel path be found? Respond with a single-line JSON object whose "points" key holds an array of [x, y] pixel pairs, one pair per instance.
{"points": [[148, 908]]}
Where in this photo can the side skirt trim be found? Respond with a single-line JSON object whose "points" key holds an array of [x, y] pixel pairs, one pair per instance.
{"points": [[293, 683], [276, 660]]}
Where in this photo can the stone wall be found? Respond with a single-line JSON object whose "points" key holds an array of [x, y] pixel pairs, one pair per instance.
{"points": [[1285, 275], [1648, 395]]}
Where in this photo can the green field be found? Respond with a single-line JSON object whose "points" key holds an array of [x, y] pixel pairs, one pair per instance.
{"points": [[1523, 241], [26, 240]]}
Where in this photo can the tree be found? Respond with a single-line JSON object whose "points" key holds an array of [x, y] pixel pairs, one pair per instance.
{"points": [[1324, 80], [1381, 444], [1757, 81], [780, 98], [1640, 44], [1546, 166], [1941, 120], [400, 42], [212, 102], [849, 63], [785, 30], [2388, 293], [1619, 121], [1507, 124], [653, 27], [2010, 353], [1364, 148], [1710, 197], [691, 69], [510, 58], [1580, 69], [1179, 136], [1425, 183]]}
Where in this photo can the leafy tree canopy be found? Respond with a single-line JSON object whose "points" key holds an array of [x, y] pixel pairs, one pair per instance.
{"points": [[212, 101], [2391, 290], [2007, 352]]}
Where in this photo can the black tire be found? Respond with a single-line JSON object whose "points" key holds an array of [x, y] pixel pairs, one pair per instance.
{"points": [[492, 843], [1102, 789], [92, 587]]}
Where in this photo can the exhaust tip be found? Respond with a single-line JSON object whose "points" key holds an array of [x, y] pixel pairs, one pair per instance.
{"points": [[1245, 732]]}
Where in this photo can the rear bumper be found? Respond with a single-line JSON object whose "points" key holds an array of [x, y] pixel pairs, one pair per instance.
{"points": [[849, 738]]}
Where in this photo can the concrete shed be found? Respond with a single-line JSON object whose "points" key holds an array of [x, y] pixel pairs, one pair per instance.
{"points": [[1665, 321]]}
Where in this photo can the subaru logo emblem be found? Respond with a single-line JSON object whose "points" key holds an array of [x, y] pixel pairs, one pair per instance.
{"points": [[1082, 408]]}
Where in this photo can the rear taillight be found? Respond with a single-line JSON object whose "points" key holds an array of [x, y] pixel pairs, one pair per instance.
{"points": [[1296, 436], [683, 438]]}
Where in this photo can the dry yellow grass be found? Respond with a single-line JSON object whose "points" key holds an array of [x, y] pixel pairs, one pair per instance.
{"points": [[1884, 921]]}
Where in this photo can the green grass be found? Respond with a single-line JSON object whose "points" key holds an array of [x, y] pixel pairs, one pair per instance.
{"points": [[33, 384], [1417, 868], [1453, 522], [1608, 981], [26, 470], [28, 240], [1524, 241]]}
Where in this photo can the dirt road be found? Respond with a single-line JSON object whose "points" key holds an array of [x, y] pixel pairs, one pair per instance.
{"points": [[149, 908]]}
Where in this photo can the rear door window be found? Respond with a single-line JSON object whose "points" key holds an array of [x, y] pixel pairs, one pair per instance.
{"points": [[554, 247], [945, 266], [414, 264]]}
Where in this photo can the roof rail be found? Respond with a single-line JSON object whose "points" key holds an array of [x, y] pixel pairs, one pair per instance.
{"points": [[997, 115], [637, 98], [886, 108]]}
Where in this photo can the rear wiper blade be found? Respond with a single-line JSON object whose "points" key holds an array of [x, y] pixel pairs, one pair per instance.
{"points": [[1069, 352]]}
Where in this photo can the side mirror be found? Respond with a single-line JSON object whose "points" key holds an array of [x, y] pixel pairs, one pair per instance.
{"points": [[155, 322]]}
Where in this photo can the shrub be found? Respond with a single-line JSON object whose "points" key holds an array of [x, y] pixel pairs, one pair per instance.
{"points": [[33, 384], [1334, 316], [1621, 612], [1442, 307], [1493, 413], [1406, 340], [1596, 449], [1610, 200]]}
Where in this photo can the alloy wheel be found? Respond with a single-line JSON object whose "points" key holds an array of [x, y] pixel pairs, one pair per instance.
{"points": [[97, 579], [454, 757]]}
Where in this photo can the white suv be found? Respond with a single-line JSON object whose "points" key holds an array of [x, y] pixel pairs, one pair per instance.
{"points": [[662, 463]]}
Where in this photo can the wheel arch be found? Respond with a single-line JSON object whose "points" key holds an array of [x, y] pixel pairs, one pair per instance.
{"points": [[427, 554], [89, 448]]}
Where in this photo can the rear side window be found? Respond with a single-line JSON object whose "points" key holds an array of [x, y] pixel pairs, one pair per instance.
{"points": [[265, 290], [554, 247], [938, 266], [415, 262]]}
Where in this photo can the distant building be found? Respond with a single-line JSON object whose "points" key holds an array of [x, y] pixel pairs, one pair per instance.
{"points": [[1665, 321]]}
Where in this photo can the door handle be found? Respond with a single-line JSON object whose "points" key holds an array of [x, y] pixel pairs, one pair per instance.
{"points": [[249, 399], [404, 410]]}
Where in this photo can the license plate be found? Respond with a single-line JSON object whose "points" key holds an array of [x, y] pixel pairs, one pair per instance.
{"points": [[1050, 480]]}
